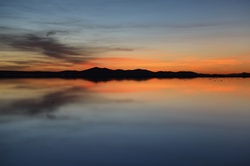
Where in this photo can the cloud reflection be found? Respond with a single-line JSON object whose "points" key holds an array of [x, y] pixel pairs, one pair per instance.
{"points": [[49, 102], [43, 104]]}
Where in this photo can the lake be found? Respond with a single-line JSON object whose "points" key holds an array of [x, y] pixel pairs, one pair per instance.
{"points": [[155, 122]]}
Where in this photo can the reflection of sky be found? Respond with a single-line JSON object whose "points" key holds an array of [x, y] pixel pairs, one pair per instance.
{"points": [[154, 122], [48, 96], [205, 36]]}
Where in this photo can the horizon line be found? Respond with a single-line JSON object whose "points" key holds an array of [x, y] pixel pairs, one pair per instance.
{"points": [[142, 69]]}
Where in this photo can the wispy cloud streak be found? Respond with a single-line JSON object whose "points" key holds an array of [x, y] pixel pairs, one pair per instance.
{"points": [[48, 45]]}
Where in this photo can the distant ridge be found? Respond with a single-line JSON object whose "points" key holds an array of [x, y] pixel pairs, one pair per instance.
{"points": [[98, 74]]}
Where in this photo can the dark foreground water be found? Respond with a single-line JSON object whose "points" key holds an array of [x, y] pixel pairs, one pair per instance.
{"points": [[170, 122]]}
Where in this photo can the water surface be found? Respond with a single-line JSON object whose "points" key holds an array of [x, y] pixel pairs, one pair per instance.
{"points": [[125, 123]]}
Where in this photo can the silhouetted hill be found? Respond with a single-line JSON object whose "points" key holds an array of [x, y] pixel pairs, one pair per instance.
{"points": [[105, 74]]}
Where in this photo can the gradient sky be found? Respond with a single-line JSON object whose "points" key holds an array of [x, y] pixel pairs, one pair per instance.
{"points": [[209, 36]]}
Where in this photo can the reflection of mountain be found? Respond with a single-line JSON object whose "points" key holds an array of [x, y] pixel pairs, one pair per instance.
{"points": [[104, 74]]}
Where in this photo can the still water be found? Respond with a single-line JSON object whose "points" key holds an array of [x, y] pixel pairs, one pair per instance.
{"points": [[175, 122]]}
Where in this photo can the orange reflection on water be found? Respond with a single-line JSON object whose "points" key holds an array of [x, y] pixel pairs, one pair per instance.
{"points": [[237, 86], [184, 85]]}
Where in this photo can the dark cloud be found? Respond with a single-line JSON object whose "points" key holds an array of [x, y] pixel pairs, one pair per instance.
{"points": [[54, 32], [13, 67], [28, 64], [50, 33], [48, 45], [36, 62], [16, 64]]}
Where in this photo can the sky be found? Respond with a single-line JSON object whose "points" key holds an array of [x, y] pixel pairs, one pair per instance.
{"points": [[208, 36]]}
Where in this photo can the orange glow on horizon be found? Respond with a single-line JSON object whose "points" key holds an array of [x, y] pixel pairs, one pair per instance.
{"points": [[212, 65]]}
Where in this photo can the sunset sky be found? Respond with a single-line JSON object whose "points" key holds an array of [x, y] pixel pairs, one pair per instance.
{"points": [[208, 36]]}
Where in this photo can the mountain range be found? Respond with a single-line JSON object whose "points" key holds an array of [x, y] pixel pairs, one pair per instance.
{"points": [[98, 74]]}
